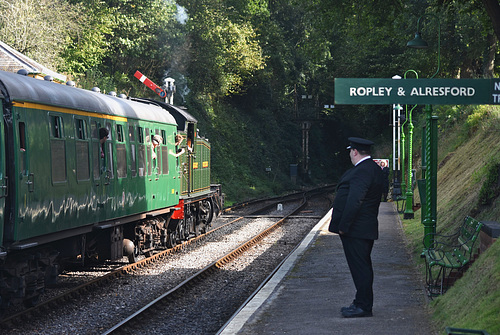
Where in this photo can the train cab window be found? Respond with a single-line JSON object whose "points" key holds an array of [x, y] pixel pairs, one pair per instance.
{"points": [[57, 150], [82, 150], [121, 153], [133, 161], [191, 137], [141, 152]]}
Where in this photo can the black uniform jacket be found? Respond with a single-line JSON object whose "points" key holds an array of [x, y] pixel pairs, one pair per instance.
{"points": [[357, 200]]}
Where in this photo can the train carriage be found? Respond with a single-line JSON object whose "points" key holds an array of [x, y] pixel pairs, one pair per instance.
{"points": [[69, 193]]}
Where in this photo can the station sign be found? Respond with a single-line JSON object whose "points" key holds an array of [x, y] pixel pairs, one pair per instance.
{"points": [[383, 91]]}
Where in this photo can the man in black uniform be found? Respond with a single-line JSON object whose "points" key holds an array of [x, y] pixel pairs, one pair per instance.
{"points": [[354, 218]]}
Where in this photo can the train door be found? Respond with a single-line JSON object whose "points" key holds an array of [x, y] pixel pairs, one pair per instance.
{"points": [[153, 148], [102, 162], [39, 157]]}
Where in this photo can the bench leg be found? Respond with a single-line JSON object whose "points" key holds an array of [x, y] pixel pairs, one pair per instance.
{"points": [[435, 280]]}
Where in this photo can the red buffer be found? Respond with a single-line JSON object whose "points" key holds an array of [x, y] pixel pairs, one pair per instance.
{"points": [[143, 79]]}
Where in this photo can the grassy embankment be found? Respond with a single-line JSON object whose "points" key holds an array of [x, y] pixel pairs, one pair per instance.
{"points": [[468, 184]]}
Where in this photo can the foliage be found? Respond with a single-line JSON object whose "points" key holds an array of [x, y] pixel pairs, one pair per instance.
{"points": [[223, 51], [90, 44], [467, 176], [38, 28], [491, 186], [242, 66], [479, 290]]}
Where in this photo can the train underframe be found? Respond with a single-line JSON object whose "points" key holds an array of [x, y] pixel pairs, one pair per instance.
{"points": [[25, 274]]}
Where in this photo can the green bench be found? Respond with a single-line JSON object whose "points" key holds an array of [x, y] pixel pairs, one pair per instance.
{"points": [[449, 256]]}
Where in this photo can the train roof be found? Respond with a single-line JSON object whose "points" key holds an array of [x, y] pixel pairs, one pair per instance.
{"points": [[180, 115], [16, 87]]}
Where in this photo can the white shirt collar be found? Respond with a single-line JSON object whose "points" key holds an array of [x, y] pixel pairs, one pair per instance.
{"points": [[363, 159]]}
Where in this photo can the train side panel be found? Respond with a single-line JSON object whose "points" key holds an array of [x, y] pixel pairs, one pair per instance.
{"points": [[68, 179]]}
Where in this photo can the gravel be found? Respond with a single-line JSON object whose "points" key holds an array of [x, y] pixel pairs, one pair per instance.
{"points": [[203, 310]]}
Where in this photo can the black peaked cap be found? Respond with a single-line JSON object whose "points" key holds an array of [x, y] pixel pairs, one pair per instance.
{"points": [[359, 143]]}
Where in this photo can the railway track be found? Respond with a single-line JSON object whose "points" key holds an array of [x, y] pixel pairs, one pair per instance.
{"points": [[138, 320], [108, 282]]}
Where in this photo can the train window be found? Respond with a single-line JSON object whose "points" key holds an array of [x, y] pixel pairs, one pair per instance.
{"points": [[140, 135], [164, 136], [109, 153], [119, 133], [22, 136], [81, 133], [56, 126], [121, 153], [133, 161]]}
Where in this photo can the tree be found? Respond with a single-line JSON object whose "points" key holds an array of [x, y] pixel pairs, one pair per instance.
{"points": [[91, 42], [38, 28], [493, 10], [223, 52]]}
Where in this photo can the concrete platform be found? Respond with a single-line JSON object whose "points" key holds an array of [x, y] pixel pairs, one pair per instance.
{"points": [[306, 294]]}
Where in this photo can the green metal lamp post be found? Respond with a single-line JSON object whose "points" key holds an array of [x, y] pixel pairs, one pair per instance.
{"points": [[409, 214], [429, 148]]}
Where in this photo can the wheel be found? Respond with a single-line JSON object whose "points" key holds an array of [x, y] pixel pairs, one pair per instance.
{"points": [[172, 239], [182, 234], [206, 215]]}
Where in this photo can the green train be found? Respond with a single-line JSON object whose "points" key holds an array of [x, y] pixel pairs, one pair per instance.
{"points": [[89, 176]]}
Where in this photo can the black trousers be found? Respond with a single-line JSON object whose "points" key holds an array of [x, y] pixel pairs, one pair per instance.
{"points": [[358, 254]]}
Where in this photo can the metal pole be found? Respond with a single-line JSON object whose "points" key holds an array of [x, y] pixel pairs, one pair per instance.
{"points": [[408, 214], [429, 214], [402, 156], [394, 141], [430, 208]]}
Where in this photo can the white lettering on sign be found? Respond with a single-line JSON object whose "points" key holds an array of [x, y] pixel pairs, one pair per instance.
{"points": [[370, 91], [443, 91], [496, 98], [497, 86]]}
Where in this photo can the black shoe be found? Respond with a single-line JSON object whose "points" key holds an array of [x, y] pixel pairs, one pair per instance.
{"points": [[343, 309], [356, 313]]}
